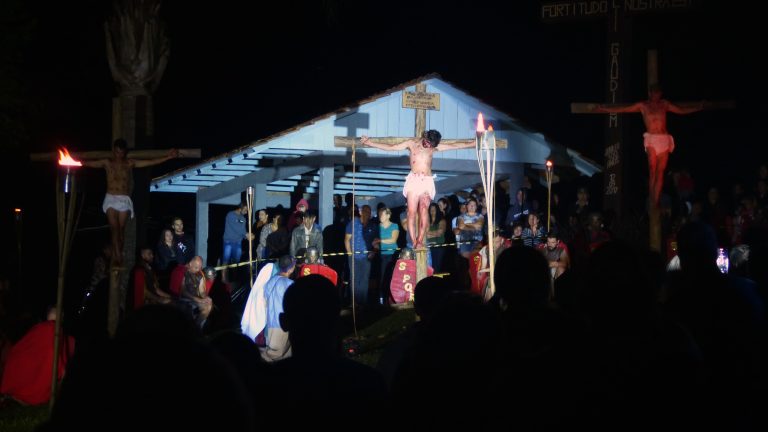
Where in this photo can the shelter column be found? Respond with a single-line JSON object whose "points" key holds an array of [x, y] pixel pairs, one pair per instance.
{"points": [[259, 196], [515, 181], [325, 196], [201, 228]]}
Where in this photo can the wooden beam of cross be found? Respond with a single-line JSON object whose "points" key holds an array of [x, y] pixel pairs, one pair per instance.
{"points": [[105, 154], [420, 101], [653, 78]]}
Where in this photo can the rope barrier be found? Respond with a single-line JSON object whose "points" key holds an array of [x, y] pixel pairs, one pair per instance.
{"points": [[331, 254]]}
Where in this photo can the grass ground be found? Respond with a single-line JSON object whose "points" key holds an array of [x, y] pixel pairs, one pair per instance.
{"points": [[17, 418], [375, 331]]}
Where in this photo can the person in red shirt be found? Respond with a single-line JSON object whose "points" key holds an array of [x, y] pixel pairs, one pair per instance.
{"points": [[27, 374]]}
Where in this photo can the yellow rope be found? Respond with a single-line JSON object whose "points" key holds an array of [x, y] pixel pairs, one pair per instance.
{"points": [[331, 254]]}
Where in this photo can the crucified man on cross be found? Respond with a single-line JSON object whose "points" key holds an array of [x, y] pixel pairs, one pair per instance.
{"points": [[117, 202], [419, 189], [658, 142]]}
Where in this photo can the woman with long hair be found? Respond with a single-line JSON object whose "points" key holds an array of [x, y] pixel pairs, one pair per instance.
{"points": [[166, 258], [436, 236], [471, 226], [388, 234], [278, 241]]}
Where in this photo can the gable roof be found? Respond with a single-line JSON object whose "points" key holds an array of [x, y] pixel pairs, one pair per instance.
{"points": [[290, 157]]}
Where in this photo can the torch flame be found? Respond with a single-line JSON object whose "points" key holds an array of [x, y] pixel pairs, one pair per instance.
{"points": [[66, 160], [549, 164], [480, 123]]}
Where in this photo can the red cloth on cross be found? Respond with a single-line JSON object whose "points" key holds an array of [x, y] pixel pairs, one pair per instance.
{"points": [[321, 269], [404, 280], [475, 265]]}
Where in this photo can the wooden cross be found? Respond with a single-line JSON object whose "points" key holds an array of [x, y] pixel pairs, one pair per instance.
{"points": [[614, 153], [616, 14], [420, 101]]}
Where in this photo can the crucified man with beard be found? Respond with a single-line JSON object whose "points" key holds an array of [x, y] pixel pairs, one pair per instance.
{"points": [[419, 189]]}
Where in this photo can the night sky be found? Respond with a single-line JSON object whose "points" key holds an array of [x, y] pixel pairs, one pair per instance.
{"points": [[240, 71]]}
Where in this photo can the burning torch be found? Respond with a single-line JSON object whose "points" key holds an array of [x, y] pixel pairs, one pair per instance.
{"points": [[485, 148], [549, 192], [66, 161], [66, 202]]}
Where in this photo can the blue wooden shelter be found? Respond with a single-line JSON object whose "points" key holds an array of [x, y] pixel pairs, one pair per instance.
{"points": [[310, 157]]}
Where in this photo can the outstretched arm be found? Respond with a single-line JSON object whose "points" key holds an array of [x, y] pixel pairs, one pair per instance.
{"points": [[635, 107], [456, 145], [141, 163], [97, 163], [685, 110], [364, 140]]}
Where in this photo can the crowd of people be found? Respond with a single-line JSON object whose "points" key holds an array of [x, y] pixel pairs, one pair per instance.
{"points": [[582, 329]]}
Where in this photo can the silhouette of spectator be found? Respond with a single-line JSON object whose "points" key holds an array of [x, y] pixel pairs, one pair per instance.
{"points": [[539, 371], [429, 293], [453, 357], [726, 319], [222, 315], [316, 380], [633, 352], [155, 372]]}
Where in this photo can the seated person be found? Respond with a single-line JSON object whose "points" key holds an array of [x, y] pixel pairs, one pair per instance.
{"points": [[27, 374], [193, 296]]}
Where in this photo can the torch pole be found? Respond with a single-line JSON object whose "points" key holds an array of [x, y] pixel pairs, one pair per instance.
{"points": [[490, 202], [249, 199], [352, 240], [65, 211], [485, 151], [549, 193]]}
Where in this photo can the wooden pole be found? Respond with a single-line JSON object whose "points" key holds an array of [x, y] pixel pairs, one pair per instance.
{"points": [[485, 151], [249, 198], [65, 212], [654, 225], [549, 194], [352, 246], [106, 154], [421, 263], [113, 314]]}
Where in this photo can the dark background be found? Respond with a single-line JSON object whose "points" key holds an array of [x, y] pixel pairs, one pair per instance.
{"points": [[240, 71]]}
